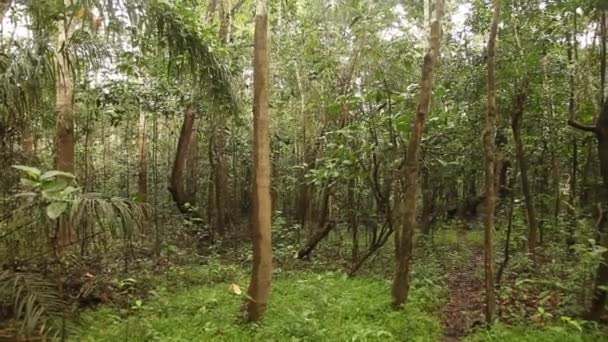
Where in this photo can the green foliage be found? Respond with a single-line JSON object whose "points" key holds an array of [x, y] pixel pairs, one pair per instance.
{"points": [[56, 189], [36, 303], [305, 307]]}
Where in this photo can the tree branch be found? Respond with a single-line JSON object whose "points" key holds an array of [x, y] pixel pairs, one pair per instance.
{"points": [[582, 127], [236, 7]]}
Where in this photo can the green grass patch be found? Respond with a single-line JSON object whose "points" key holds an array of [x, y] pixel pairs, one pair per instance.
{"points": [[303, 307]]}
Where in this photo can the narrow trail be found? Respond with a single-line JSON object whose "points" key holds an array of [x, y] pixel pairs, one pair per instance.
{"points": [[465, 304]]}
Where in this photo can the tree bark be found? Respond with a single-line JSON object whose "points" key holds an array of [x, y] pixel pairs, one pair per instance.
{"points": [[64, 109], [142, 176], [4, 6], [219, 171], [489, 156], [261, 277], [516, 122], [176, 184], [401, 280], [325, 225]]}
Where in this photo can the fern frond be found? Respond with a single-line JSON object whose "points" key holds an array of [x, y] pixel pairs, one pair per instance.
{"points": [[37, 304]]}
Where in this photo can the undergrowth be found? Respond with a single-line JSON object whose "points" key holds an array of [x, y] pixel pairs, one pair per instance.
{"points": [[557, 332], [304, 307]]}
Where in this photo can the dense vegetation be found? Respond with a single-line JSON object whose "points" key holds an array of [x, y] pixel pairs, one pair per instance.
{"points": [[303, 170]]}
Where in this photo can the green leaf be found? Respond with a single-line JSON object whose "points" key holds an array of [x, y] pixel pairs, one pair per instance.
{"points": [[55, 209], [30, 171], [55, 185], [29, 183], [55, 173]]}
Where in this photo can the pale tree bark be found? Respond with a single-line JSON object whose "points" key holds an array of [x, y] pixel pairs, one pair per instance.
{"points": [[64, 97], [142, 176], [4, 6], [261, 277], [490, 159], [64, 120], [516, 121], [401, 280]]}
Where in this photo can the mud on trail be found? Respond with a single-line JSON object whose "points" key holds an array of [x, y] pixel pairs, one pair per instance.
{"points": [[464, 309]]}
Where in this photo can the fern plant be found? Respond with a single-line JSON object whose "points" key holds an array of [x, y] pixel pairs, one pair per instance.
{"points": [[35, 303]]}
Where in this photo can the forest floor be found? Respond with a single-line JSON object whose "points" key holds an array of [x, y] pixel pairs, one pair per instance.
{"points": [[312, 302], [464, 307]]}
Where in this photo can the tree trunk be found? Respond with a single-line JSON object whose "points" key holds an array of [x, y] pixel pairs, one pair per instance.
{"points": [[220, 180], [401, 280], [176, 184], [4, 6], [598, 304], [428, 204], [64, 131], [142, 176], [516, 121], [489, 156], [325, 225], [191, 168], [261, 277]]}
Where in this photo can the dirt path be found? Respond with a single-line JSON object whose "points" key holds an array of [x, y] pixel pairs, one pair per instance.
{"points": [[465, 303]]}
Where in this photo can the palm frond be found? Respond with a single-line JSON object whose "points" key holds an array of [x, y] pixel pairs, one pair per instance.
{"points": [[101, 217], [37, 304], [192, 49], [24, 72]]}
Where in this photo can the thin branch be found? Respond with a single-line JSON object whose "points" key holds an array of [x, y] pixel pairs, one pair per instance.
{"points": [[582, 127], [236, 7]]}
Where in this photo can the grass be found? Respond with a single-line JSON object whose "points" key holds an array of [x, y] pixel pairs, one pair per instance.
{"points": [[312, 304], [304, 307]]}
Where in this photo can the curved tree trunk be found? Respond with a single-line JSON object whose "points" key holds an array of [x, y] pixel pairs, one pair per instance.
{"points": [[261, 277], [490, 159], [176, 183], [516, 121], [404, 249]]}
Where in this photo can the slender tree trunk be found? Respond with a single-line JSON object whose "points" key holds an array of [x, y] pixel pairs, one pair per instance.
{"points": [[219, 168], [516, 122], [64, 108], [217, 146], [325, 225], [142, 176], [261, 277], [176, 184], [489, 156], [507, 250], [428, 203], [401, 280], [600, 294], [64, 101]]}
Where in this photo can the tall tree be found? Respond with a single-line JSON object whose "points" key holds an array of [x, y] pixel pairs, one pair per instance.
{"points": [[488, 138], [404, 250], [516, 121], [600, 130], [261, 277], [64, 93], [142, 176], [64, 114]]}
